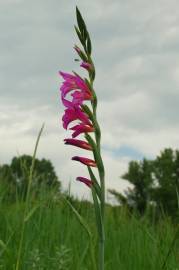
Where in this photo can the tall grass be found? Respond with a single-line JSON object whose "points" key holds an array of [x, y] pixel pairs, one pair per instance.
{"points": [[53, 238], [43, 233]]}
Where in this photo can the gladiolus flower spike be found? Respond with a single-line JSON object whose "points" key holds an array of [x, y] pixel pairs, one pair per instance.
{"points": [[81, 90]]}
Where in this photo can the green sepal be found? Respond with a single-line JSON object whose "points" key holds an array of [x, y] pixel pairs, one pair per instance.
{"points": [[79, 35], [92, 90], [81, 24], [89, 46], [79, 217], [87, 110], [92, 74], [95, 182], [88, 83], [96, 153]]}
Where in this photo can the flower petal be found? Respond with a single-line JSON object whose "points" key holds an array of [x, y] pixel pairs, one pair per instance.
{"points": [[85, 180], [81, 128], [78, 143]]}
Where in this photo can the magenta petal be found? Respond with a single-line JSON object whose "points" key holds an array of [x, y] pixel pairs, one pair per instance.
{"points": [[78, 143], [85, 161], [67, 103], [81, 84], [81, 128], [67, 87], [67, 76]]}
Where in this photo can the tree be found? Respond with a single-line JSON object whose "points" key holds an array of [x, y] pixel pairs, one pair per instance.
{"points": [[139, 174], [7, 184], [17, 175], [156, 182], [166, 175]]}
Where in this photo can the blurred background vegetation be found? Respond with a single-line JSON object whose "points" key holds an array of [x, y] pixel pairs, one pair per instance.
{"points": [[142, 231]]}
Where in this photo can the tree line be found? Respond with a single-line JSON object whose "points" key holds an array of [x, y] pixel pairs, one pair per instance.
{"points": [[14, 178], [155, 182], [155, 185]]}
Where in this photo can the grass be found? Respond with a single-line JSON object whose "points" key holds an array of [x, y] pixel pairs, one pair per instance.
{"points": [[54, 239], [45, 234]]}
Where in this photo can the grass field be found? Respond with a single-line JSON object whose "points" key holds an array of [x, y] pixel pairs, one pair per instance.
{"points": [[55, 240]]}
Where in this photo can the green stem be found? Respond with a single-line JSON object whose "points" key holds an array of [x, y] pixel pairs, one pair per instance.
{"points": [[101, 255], [102, 183]]}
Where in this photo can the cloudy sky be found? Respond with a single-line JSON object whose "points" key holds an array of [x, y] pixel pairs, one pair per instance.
{"points": [[136, 54]]}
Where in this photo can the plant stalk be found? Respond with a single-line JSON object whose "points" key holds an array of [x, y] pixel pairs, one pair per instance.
{"points": [[27, 200]]}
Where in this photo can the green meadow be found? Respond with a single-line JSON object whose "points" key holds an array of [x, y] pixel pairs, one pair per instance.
{"points": [[54, 238]]}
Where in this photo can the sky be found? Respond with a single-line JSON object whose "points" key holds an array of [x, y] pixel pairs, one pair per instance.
{"points": [[136, 55]]}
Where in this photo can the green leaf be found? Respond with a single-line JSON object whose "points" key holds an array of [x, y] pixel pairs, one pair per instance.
{"points": [[87, 110], [89, 84], [96, 153], [80, 218], [31, 212], [2, 244]]}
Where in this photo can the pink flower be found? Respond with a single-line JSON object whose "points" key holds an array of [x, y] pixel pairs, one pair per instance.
{"points": [[78, 143], [86, 65], [81, 128], [85, 180], [85, 161], [74, 82], [72, 114]]}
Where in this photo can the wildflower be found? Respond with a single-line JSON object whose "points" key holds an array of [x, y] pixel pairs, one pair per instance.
{"points": [[82, 90], [73, 82]]}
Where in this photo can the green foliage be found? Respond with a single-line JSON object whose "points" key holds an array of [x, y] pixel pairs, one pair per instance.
{"points": [[14, 177], [155, 184], [166, 175], [54, 239], [82, 33], [139, 174]]}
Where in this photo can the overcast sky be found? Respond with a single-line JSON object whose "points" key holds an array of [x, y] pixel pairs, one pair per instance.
{"points": [[136, 54]]}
